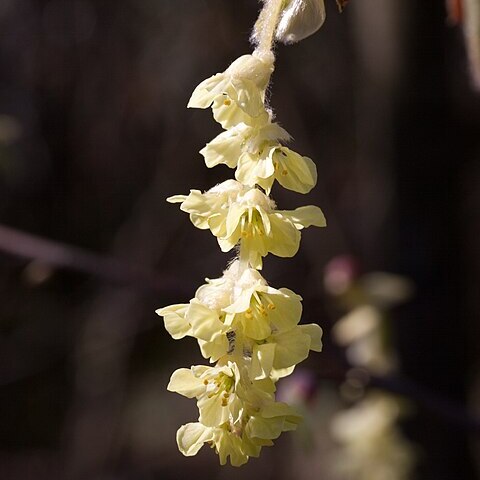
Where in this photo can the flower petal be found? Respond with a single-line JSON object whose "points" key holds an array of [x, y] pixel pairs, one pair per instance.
{"points": [[315, 333], [294, 172], [204, 321], [262, 361], [212, 413], [214, 349], [285, 238], [225, 148], [287, 311], [184, 382], [174, 318], [191, 437], [206, 91], [303, 217], [292, 347]]}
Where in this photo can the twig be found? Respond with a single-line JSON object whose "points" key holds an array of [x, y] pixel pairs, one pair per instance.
{"points": [[25, 245]]}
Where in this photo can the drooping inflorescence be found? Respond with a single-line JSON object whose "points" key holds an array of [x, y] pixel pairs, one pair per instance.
{"points": [[248, 329]]}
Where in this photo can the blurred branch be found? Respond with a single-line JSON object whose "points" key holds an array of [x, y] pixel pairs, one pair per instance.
{"points": [[25, 245], [445, 409], [436, 403]]}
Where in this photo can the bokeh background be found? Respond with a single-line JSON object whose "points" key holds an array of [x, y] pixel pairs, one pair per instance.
{"points": [[94, 135]]}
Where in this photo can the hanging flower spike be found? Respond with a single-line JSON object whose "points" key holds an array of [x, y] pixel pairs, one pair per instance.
{"points": [[247, 329]]}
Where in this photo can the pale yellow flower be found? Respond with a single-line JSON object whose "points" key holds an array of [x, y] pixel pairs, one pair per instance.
{"points": [[282, 351], [236, 213], [243, 438], [260, 309], [260, 158], [192, 319], [236, 95], [227, 442], [216, 390], [242, 316]]}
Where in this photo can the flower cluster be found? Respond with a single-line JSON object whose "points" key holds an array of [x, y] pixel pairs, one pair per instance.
{"points": [[248, 330]]}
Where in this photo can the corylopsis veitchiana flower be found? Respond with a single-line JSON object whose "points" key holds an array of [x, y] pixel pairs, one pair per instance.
{"points": [[237, 214], [247, 330]]}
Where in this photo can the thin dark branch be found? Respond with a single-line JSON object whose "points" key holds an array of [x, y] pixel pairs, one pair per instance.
{"points": [[56, 254]]}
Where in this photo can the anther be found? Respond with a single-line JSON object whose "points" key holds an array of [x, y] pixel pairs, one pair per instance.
{"points": [[227, 102], [284, 172], [205, 382]]}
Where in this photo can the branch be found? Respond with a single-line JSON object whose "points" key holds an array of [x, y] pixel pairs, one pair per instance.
{"points": [[56, 254]]}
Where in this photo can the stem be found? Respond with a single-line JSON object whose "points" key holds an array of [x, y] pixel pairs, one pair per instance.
{"points": [[243, 258], [270, 15]]}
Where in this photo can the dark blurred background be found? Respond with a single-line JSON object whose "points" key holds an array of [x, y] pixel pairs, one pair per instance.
{"points": [[95, 134]]}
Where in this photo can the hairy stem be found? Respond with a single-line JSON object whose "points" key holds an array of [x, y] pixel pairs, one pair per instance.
{"points": [[270, 16]]}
